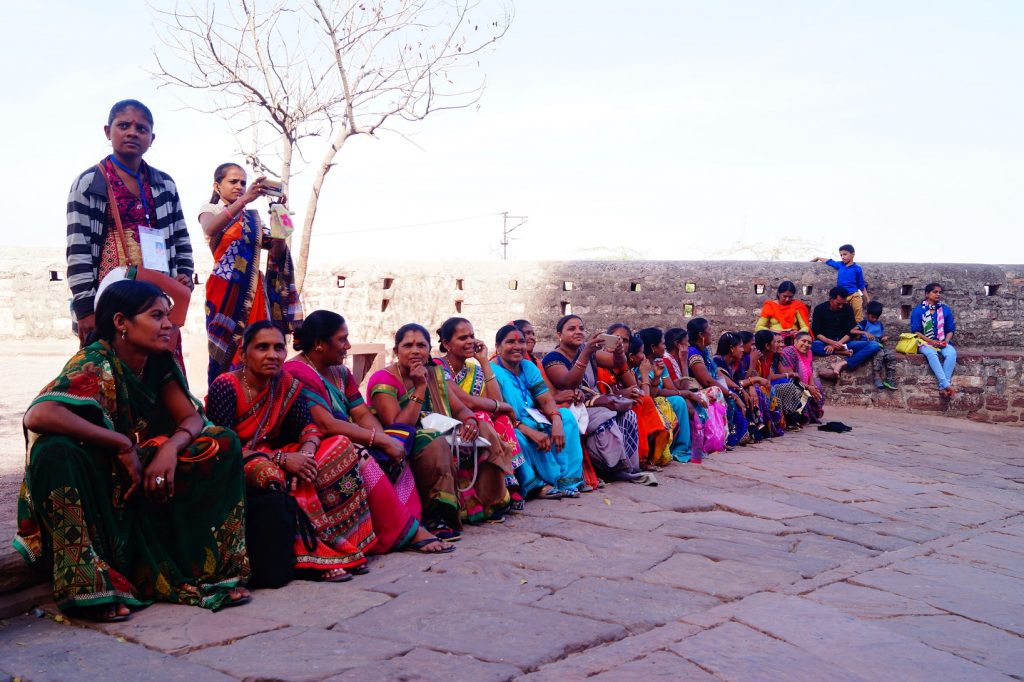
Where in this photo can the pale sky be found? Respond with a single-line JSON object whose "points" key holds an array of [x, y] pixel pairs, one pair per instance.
{"points": [[673, 129]]}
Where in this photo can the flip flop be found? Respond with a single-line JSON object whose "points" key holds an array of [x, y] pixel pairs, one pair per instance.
{"points": [[342, 577], [443, 531], [550, 494], [362, 569], [418, 547], [571, 494], [237, 602]]}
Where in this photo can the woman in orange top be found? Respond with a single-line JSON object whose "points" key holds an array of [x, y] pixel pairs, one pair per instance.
{"points": [[785, 315]]}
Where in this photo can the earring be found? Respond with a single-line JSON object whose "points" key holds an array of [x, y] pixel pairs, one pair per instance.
{"points": [[319, 347], [124, 334]]}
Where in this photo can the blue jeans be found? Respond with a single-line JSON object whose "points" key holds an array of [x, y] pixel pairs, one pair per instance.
{"points": [[944, 370], [862, 351]]}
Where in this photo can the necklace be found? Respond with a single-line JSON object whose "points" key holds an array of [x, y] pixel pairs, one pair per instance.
{"points": [[330, 375], [245, 385]]}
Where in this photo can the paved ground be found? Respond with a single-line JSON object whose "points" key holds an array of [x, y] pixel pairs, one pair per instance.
{"points": [[892, 552]]}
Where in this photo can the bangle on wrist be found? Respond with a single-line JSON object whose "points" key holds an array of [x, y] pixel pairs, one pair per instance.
{"points": [[186, 432], [373, 434], [415, 398]]}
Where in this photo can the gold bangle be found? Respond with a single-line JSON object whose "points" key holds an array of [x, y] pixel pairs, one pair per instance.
{"points": [[416, 399]]}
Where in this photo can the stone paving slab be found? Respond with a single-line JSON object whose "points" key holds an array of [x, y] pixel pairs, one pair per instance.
{"points": [[298, 653], [879, 556], [425, 664], [41, 649]]}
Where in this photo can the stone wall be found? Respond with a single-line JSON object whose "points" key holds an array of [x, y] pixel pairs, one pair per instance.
{"points": [[377, 297], [988, 384]]}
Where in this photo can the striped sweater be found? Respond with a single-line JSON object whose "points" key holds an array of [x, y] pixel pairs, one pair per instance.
{"points": [[87, 226]]}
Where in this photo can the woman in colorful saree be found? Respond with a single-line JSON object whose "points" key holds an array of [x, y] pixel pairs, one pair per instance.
{"points": [[237, 293], [766, 361], [765, 413], [798, 359], [402, 393], [548, 436], [469, 377], [653, 377], [701, 366], [337, 408], [742, 411], [283, 449], [655, 433], [128, 497], [785, 315], [611, 437]]}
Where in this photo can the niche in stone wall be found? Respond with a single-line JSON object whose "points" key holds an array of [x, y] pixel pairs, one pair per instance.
{"points": [[687, 310], [634, 286], [906, 290], [341, 281], [904, 312], [55, 276], [388, 282], [195, 278], [458, 305], [513, 284], [759, 289], [690, 287], [384, 303], [808, 289], [458, 284], [991, 289], [566, 308], [567, 286]]}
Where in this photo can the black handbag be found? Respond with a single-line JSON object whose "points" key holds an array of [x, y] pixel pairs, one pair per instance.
{"points": [[272, 520]]}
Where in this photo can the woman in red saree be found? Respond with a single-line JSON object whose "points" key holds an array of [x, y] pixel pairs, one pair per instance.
{"points": [[237, 293], [337, 407], [282, 448]]}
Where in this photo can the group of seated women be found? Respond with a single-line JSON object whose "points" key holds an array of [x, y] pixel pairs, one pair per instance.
{"points": [[135, 492]]}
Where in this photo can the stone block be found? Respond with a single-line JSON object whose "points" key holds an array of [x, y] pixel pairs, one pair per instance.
{"points": [[863, 534], [41, 649], [861, 648], [298, 653], [314, 604], [177, 629], [660, 665], [963, 600], [927, 404], [995, 402], [440, 620], [735, 652], [637, 606], [865, 602], [424, 665], [988, 646], [718, 550], [723, 579], [750, 505], [610, 656]]}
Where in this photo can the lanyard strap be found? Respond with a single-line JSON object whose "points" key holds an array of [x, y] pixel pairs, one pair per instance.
{"points": [[138, 179]]}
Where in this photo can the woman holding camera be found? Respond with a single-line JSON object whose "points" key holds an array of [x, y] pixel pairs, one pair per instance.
{"points": [[237, 293]]}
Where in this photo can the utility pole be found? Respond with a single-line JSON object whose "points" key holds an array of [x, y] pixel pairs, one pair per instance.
{"points": [[506, 230]]}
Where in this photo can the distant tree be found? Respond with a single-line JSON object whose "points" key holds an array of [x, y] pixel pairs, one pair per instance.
{"points": [[299, 78], [786, 248]]}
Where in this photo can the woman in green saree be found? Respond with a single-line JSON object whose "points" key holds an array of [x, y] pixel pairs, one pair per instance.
{"points": [[129, 497]]}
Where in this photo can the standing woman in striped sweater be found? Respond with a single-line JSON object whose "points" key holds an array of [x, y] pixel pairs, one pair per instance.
{"points": [[122, 212]]}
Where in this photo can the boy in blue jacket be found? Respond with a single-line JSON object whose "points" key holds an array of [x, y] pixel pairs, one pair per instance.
{"points": [[872, 329], [849, 276]]}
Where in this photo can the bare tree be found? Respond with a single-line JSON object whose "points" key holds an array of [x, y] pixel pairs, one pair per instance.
{"points": [[295, 79]]}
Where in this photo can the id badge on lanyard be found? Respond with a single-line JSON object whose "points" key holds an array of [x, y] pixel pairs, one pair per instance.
{"points": [[154, 249]]}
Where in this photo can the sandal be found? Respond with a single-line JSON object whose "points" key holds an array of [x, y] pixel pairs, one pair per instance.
{"points": [[442, 531], [549, 493], [361, 569], [518, 504], [335, 575], [571, 493], [418, 547]]}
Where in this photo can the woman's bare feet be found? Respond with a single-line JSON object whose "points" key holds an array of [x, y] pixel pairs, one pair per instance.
{"points": [[106, 613]]}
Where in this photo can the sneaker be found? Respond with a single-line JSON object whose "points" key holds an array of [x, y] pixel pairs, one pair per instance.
{"points": [[879, 384], [890, 384]]}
